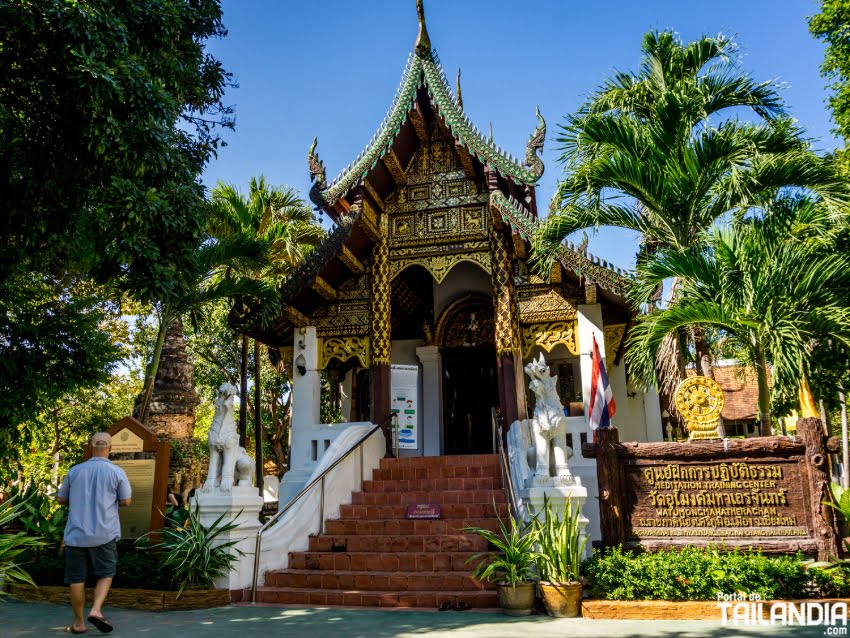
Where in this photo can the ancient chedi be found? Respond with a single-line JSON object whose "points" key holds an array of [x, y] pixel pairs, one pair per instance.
{"points": [[172, 410]]}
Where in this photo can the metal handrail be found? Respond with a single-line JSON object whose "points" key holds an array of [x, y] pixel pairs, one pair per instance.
{"points": [[318, 480], [504, 463]]}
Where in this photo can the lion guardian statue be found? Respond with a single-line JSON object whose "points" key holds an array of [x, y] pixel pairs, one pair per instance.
{"points": [[548, 426], [228, 461]]}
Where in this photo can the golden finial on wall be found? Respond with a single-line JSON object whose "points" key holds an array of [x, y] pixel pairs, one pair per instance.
{"points": [[459, 94], [423, 42]]}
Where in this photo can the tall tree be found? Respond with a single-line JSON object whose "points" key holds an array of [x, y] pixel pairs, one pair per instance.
{"points": [[832, 25], [657, 152], [774, 283], [279, 217], [108, 113]]}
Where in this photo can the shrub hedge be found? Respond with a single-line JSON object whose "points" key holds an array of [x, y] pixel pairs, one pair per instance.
{"points": [[703, 573]]}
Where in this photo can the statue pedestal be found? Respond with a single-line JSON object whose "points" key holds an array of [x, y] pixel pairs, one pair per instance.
{"points": [[535, 497], [242, 506]]}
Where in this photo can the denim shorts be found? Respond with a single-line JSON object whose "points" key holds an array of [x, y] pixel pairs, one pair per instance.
{"points": [[100, 562]]}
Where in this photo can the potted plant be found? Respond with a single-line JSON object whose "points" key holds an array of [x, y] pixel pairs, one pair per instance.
{"points": [[511, 564], [561, 548]]}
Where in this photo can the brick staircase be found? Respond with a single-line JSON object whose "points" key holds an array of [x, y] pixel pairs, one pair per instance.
{"points": [[372, 556]]}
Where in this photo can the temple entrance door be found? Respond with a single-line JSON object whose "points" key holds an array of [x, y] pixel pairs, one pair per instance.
{"points": [[470, 392]]}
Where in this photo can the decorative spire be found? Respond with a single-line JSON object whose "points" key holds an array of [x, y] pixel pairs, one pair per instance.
{"points": [[459, 94], [491, 132], [423, 42]]}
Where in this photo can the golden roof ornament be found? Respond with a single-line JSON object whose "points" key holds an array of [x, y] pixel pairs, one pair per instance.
{"points": [[423, 42], [459, 94], [700, 401]]}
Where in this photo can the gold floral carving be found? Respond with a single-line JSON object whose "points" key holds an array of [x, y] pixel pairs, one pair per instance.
{"points": [[439, 265], [349, 315], [380, 315], [613, 338], [542, 302], [466, 322], [549, 335], [344, 348]]}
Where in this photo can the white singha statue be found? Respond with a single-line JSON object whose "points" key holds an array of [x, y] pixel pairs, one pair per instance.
{"points": [[548, 426], [227, 459]]}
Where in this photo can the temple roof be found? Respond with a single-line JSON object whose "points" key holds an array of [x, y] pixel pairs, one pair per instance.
{"points": [[583, 264], [424, 70]]}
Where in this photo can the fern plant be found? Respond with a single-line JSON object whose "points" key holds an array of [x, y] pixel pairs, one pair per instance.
{"points": [[514, 557], [195, 553], [561, 544]]}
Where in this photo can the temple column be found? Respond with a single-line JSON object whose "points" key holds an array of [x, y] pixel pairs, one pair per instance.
{"points": [[379, 343], [432, 399], [306, 397], [508, 347]]}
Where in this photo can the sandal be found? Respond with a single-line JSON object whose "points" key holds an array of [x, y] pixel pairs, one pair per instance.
{"points": [[462, 606], [446, 606], [70, 630], [103, 625]]}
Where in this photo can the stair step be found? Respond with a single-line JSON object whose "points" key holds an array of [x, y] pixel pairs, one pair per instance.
{"points": [[409, 544], [439, 471], [407, 527], [487, 497], [382, 562], [462, 460], [375, 581], [433, 485], [398, 512], [358, 598]]}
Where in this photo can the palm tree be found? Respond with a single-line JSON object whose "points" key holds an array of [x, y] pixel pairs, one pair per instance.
{"points": [[656, 152], [281, 219], [213, 275], [775, 284]]}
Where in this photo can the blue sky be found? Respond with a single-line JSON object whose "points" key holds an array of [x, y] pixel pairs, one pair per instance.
{"points": [[331, 68]]}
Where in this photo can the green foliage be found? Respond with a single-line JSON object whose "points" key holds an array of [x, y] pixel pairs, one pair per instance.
{"points": [[561, 544], [701, 574], [841, 501], [14, 545], [831, 26], [193, 554], [777, 284], [514, 558], [39, 515]]}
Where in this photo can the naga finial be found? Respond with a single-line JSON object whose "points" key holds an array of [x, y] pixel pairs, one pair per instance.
{"points": [[423, 42], [534, 148], [459, 94], [317, 174], [491, 132]]}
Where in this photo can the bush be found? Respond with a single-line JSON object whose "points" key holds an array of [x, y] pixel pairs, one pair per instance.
{"points": [[701, 574]]}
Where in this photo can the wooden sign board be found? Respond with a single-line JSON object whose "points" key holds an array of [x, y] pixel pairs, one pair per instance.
{"points": [[766, 492], [423, 511], [137, 450]]}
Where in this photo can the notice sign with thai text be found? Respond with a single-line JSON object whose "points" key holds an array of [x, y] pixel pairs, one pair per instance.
{"points": [[404, 384], [717, 500], [423, 511], [136, 519]]}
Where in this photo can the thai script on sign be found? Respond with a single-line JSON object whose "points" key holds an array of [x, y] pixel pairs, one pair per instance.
{"points": [[719, 472]]}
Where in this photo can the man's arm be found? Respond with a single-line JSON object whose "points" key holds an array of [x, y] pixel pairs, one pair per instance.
{"points": [[63, 492], [124, 492], [124, 502]]}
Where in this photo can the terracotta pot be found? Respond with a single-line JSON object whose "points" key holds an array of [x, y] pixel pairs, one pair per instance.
{"points": [[516, 601], [563, 600]]}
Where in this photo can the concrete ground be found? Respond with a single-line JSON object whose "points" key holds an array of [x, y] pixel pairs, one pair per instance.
{"points": [[20, 619]]}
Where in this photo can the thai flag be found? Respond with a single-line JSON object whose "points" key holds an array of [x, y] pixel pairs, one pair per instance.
{"points": [[602, 406]]}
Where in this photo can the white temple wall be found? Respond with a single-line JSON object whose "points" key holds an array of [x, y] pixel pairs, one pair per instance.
{"points": [[465, 278]]}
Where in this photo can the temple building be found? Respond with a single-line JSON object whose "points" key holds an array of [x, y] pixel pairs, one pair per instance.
{"points": [[422, 298]]}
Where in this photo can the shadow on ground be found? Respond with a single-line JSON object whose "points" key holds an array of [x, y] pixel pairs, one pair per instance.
{"points": [[20, 619]]}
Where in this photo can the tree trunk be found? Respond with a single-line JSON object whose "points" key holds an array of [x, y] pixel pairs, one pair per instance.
{"points": [[258, 419], [243, 394], [703, 352], [153, 367], [845, 453], [764, 392]]}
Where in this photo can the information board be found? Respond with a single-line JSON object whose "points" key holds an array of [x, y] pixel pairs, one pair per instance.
{"points": [[404, 401], [136, 519]]}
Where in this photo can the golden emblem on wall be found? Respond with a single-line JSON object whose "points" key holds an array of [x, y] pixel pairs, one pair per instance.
{"points": [[700, 400]]}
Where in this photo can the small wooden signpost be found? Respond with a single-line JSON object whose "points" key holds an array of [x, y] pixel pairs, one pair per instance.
{"points": [[137, 450]]}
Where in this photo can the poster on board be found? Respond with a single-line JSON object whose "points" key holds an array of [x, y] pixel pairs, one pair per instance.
{"points": [[404, 401]]}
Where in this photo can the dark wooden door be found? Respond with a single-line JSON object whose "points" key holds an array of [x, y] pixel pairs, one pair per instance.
{"points": [[470, 392]]}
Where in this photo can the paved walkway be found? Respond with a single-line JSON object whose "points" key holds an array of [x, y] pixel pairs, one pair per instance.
{"points": [[19, 619]]}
